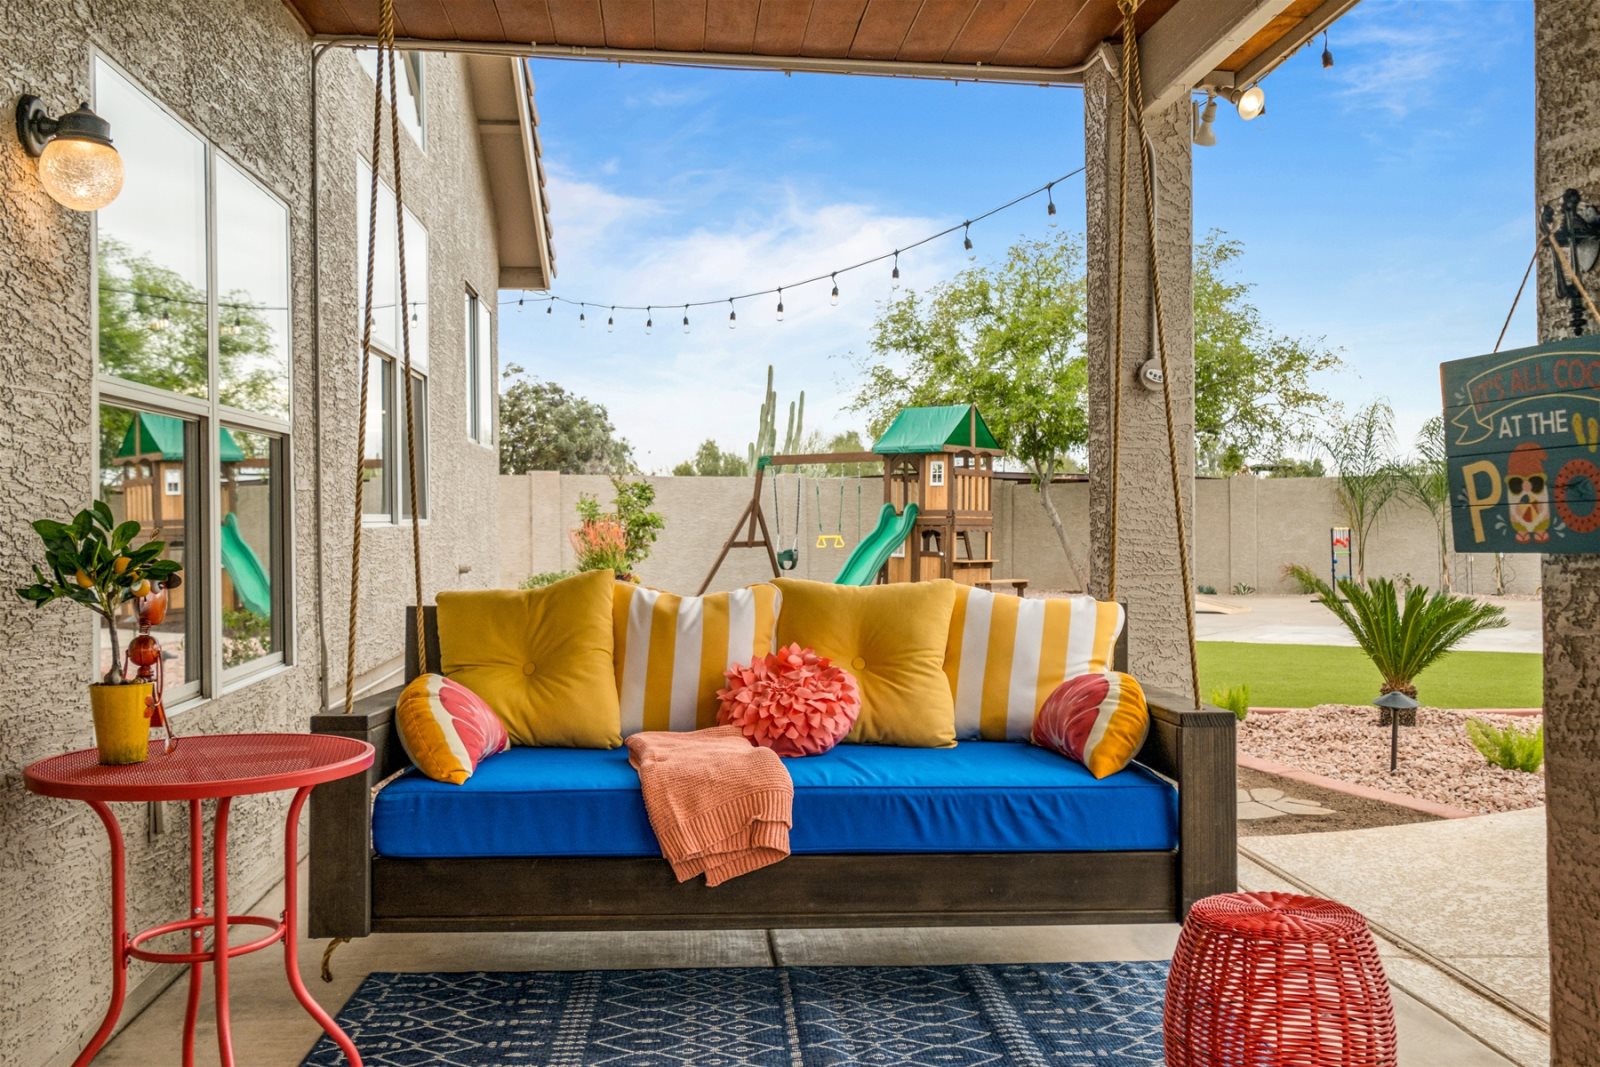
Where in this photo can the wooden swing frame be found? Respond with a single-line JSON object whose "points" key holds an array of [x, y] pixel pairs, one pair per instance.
{"points": [[355, 892], [750, 528]]}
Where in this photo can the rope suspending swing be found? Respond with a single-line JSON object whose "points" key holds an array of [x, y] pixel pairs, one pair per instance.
{"points": [[385, 68], [1133, 112]]}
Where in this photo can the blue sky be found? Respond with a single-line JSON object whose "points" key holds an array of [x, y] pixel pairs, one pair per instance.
{"points": [[1385, 205]]}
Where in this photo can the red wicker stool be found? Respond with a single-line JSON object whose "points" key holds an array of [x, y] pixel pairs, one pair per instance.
{"points": [[1277, 980]]}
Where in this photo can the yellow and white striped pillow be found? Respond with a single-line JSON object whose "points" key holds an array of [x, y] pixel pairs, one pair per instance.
{"points": [[1007, 654], [671, 651]]}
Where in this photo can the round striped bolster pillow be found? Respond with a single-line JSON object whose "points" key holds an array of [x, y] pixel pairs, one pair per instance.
{"points": [[446, 728], [1100, 720]]}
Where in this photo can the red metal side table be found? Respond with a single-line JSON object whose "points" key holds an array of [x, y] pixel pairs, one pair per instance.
{"points": [[218, 767]]}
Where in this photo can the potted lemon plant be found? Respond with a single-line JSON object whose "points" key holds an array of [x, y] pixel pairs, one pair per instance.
{"points": [[93, 561]]}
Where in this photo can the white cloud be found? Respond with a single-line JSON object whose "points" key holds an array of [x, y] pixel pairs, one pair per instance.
{"points": [[667, 391], [1399, 54]]}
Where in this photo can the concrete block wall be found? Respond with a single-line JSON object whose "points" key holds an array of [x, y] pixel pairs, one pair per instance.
{"points": [[1246, 530]]}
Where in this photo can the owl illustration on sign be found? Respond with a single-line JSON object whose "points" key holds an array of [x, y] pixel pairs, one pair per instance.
{"points": [[1528, 493]]}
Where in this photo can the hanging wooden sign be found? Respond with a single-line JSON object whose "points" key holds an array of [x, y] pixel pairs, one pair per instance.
{"points": [[1522, 441]]}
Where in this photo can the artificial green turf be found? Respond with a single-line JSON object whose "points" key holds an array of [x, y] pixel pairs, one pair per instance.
{"points": [[1301, 676]]}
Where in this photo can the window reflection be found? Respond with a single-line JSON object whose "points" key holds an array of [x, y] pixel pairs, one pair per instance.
{"points": [[146, 468], [375, 499], [252, 295], [152, 246], [407, 79], [251, 519]]}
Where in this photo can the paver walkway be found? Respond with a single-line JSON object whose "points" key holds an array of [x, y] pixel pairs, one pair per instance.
{"points": [[1297, 620], [1466, 896]]}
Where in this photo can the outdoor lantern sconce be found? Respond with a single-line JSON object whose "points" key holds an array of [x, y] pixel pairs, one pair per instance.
{"points": [[1396, 707], [77, 164], [1579, 235]]}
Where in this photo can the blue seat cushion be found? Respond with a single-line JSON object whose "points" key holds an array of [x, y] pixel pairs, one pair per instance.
{"points": [[981, 796]]}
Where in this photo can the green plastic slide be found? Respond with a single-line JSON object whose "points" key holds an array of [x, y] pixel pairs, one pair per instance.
{"points": [[250, 581], [874, 551]]}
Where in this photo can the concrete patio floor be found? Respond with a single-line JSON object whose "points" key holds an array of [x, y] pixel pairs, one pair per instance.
{"points": [[271, 1030], [1459, 906], [1297, 620]]}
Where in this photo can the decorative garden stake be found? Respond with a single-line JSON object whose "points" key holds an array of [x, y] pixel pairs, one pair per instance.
{"points": [[1395, 705]]}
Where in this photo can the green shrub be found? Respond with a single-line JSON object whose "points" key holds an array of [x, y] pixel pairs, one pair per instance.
{"points": [[1235, 698], [1303, 577], [1206, 590], [1243, 589], [544, 578], [1513, 748]]}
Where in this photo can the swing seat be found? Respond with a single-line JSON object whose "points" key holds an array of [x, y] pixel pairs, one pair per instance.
{"points": [[789, 559], [988, 832], [830, 540]]}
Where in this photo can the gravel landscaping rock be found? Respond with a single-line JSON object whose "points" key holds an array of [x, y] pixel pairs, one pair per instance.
{"points": [[1437, 761]]}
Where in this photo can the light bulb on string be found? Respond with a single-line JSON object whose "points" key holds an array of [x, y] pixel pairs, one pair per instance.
{"points": [[611, 320], [780, 303], [520, 299], [649, 319], [894, 276], [686, 318], [733, 316], [1050, 202], [1327, 55], [966, 236], [583, 320], [550, 306], [834, 298]]}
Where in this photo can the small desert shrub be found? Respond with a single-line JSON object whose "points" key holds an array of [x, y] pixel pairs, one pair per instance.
{"points": [[1235, 698], [1242, 589], [1206, 590], [1302, 577], [1513, 748], [544, 578]]}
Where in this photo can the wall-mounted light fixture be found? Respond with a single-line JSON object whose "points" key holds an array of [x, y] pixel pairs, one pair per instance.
{"points": [[1251, 103], [1204, 118], [77, 164], [1579, 235]]}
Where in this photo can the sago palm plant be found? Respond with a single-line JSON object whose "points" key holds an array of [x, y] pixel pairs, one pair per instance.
{"points": [[1406, 634]]}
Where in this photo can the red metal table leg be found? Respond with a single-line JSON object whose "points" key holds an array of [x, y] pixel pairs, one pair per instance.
{"points": [[197, 906], [219, 937], [119, 936], [291, 916]]}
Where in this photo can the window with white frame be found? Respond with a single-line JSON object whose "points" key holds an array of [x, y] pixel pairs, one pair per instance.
{"points": [[936, 472], [409, 84], [192, 350], [479, 327], [386, 496]]}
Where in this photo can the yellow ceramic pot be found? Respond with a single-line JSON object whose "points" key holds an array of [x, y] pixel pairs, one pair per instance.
{"points": [[121, 721]]}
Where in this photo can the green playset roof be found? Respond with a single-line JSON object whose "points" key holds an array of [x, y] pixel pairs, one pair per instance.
{"points": [[162, 435], [917, 430]]}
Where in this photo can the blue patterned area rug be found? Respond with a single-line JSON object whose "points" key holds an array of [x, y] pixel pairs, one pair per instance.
{"points": [[1022, 1015]]}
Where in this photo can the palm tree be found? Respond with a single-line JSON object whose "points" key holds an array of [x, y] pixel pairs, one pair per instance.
{"points": [[1404, 636], [1426, 481], [1362, 448]]}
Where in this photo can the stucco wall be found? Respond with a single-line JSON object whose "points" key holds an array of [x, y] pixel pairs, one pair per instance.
{"points": [[239, 72], [1567, 155], [1246, 530]]}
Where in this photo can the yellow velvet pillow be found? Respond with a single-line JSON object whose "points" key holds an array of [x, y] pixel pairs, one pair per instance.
{"points": [[541, 658], [892, 638]]}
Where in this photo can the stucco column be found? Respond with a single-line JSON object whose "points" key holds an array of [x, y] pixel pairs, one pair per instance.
{"points": [[1567, 155], [1148, 576]]}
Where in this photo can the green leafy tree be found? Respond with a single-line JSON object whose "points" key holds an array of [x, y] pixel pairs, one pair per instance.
{"points": [[632, 522], [1404, 636], [1008, 338], [1362, 447], [545, 428], [1426, 480], [711, 461], [1252, 390], [1292, 467]]}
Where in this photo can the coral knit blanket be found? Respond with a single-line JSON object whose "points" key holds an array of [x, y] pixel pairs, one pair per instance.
{"points": [[719, 805]]}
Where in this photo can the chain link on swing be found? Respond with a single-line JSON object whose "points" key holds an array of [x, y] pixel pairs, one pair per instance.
{"points": [[385, 68], [1133, 112]]}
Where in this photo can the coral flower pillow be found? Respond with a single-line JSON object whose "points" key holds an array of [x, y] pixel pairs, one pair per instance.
{"points": [[792, 701], [1100, 720], [447, 729]]}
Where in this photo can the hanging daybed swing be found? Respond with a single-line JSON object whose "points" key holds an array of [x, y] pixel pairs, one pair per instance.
{"points": [[355, 892]]}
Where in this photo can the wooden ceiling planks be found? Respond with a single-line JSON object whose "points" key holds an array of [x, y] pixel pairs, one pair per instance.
{"points": [[1047, 34]]}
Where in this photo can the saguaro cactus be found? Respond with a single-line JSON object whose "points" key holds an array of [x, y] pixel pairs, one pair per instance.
{"points": [[766, 440]]}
